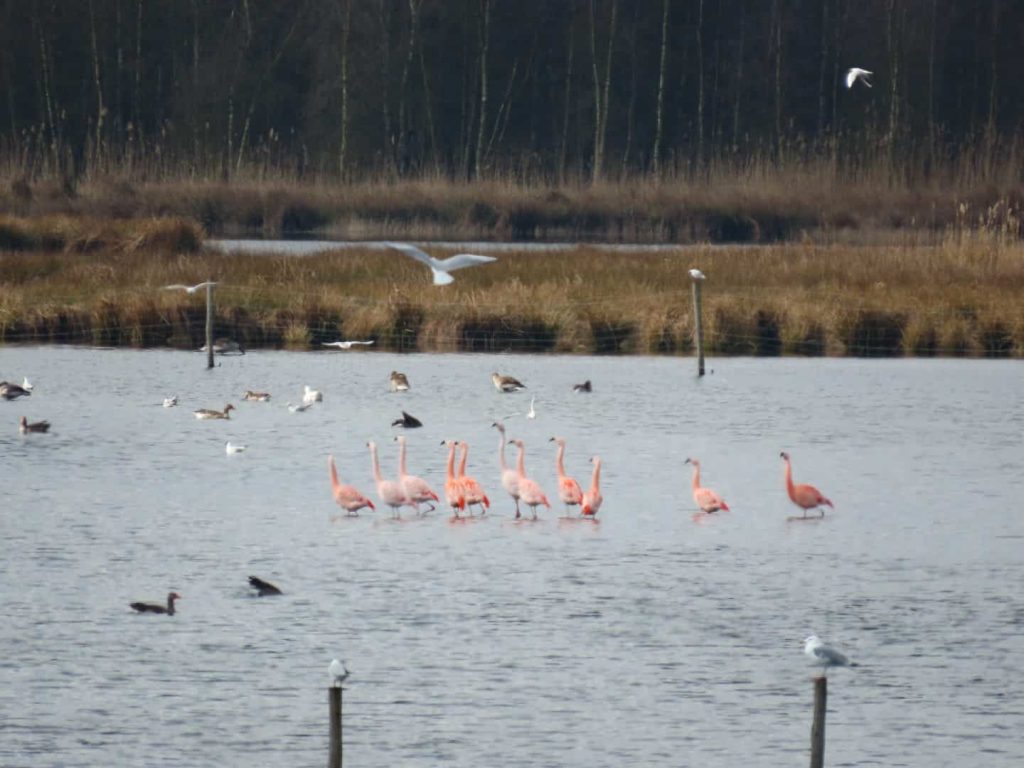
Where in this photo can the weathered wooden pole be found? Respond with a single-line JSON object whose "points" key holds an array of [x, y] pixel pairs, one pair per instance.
{"points": [[209, 323], [334, 697], [818, 726], [698, 324]]}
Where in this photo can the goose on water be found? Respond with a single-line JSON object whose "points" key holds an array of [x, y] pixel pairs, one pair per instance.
{"points": [[37, 426], [210, 413], [157, 607], [506, 383], [398, 382]]}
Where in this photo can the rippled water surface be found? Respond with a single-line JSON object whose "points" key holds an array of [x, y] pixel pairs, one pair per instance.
{"points": [[648, 639]]}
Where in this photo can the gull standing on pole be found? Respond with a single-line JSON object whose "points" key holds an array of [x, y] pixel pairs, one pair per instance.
{"points": [[441, 267], [696, 274], [853, 74], [339, 673], [824, 655]]}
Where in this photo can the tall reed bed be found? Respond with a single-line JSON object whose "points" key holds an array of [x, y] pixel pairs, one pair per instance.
{"points": [[962, 297]]}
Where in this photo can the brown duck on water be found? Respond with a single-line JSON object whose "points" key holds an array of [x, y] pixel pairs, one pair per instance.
{"points": [[157, 607]]}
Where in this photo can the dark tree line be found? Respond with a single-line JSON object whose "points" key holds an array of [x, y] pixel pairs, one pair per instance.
{"points": [[468, 87]]}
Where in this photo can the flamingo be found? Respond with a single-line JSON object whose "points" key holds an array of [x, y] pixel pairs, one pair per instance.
{"points": [[453, 492], [509, 477], [415, 488], [706, 499], [389, 491], [471, 489], [347, 497], [592, 499], [569, 490], [803, 495], [529, 491]]}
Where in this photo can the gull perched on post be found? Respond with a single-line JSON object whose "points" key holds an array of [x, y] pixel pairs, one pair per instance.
{"points": [[441, 267], [825, 655], [187, 288], [339, 673], [696, 274], [853, 74]]}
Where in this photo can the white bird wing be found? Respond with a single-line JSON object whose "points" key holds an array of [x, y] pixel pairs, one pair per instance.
{"points": [[462, 260], [365, 343], [415, 253], [830, 656], [175, 287]]}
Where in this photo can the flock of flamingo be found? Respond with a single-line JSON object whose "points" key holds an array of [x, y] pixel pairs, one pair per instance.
{"points": [[463, 493]]}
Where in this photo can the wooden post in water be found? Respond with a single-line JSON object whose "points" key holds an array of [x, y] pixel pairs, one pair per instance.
{"points": [[334, 755], [818, 725], [698, 323], [209, 323]]}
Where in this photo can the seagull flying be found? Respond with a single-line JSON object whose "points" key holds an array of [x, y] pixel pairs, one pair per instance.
{"points": [[339, 673], [187, 288], [825, 655], [230, 448], [170, 402], [853, 74], [441, 267], [299, 408], [696, 274], [344, 344]]}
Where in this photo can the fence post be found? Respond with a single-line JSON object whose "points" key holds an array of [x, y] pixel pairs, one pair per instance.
{"points": [[209, 323], [818, 725], [334, 755], [699, 324]]}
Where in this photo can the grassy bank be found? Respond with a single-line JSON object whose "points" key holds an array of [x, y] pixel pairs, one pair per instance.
{"points": [[753, 202], [963, 297]]}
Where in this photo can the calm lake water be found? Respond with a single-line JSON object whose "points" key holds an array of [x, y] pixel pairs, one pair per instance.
{"points": [[649, 639]]}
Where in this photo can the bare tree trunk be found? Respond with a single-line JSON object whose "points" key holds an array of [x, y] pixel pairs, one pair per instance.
{"points": [[345, 6], [8, 59], [777, 61], [384, 16], [993, 88], [434, 159], [631, 108], [659, 113], [118, 118], [737, 96], [404, 160], [563, 151], [101, 111], [931, 83], [47, 91], [700, 82], [838, 22], [822, 67], [601, 91], [892, 43], [485, 34]]}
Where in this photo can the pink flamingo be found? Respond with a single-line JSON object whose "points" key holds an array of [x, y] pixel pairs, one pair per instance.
{"points": [[509, 478], [415, 488], [803, 495], [389, 491], [529, 492], [569, 490], [706, 499], [346, 496], [453, 492], [592, 499], [471, 489]]}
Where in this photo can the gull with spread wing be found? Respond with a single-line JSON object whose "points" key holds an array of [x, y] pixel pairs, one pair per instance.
{"points": [[441, 267]]}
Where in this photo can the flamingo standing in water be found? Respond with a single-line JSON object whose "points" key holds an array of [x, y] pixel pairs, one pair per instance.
{"points": [[415, 488], [471, 489], [509, 478], [389, 491], [453, 493], [592, 499], [569, 490], [530, 492], [706, 499], [803, 495], [347, 497]]}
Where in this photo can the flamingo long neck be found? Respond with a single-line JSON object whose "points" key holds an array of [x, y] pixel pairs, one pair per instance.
{"points": [[451, 461], [376, 465], [560, 460], [595, 480], [401, 457], [696, 476], [335, 485], [501, 451], [520, 462], [790, 488], [465, 456]]}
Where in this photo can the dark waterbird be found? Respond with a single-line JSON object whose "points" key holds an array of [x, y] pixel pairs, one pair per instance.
{"points": [[263, 588], [157, 607], [34, 426], [408, 421], [9, 390], [584, 387]]}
